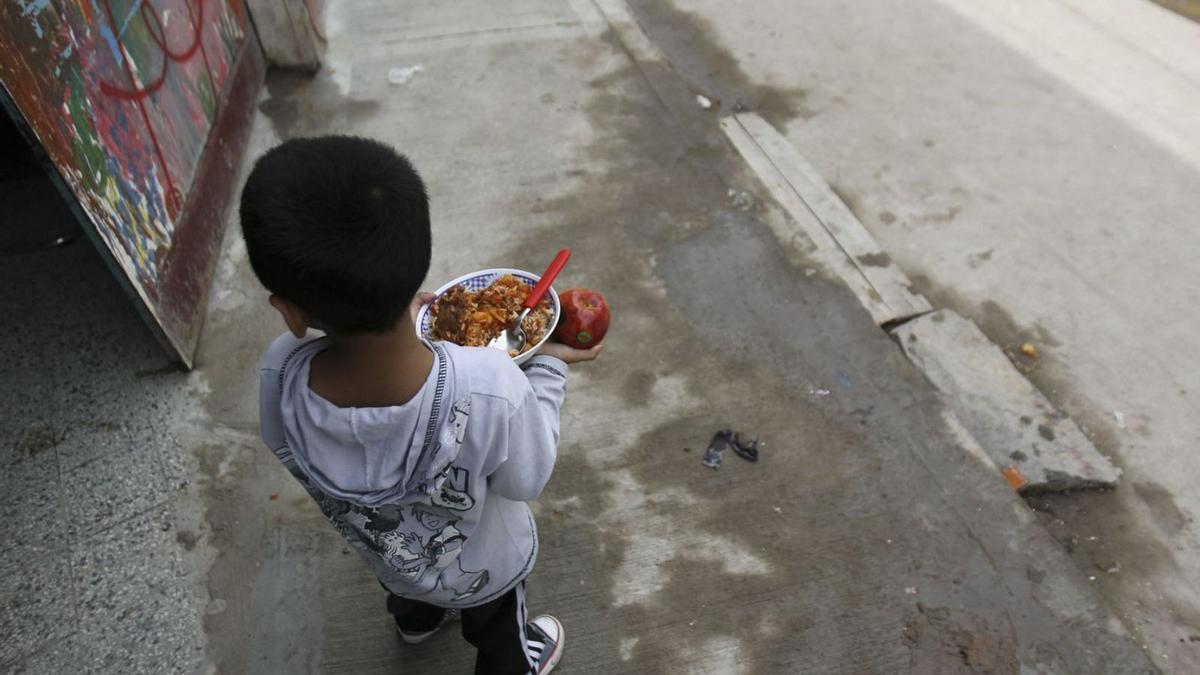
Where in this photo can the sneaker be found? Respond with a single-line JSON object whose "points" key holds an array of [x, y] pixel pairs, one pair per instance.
{"points": [[414, 638], [545, 638]]}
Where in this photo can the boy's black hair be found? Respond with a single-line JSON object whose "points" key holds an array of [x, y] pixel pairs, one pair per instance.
{"points": [[339, 226]]}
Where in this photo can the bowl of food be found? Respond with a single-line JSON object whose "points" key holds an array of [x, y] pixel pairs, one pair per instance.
{"points": [[476, 307]]}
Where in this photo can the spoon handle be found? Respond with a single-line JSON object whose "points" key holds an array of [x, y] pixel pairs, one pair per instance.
{"points": [[548, 277]]}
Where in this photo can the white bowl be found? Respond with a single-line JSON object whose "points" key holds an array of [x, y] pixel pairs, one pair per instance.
{"points": [[477, 281]]}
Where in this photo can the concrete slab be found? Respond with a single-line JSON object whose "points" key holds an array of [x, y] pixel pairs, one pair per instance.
{"points": [[1133, 60], [80, 443], [36, 595], [110, 490], [826, 220], [134, 600], [997, 153], [85, 399], [56, 656], [1034, 445], [432, 20], [33, 512]]}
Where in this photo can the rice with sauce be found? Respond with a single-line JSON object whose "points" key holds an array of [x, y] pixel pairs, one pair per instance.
{"points": [[475, 318]]}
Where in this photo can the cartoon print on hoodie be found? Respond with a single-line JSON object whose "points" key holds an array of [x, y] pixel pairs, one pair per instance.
{"points": [[410, 486]]}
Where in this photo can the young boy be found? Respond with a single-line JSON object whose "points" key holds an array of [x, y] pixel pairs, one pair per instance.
{"points": [[422, 454]]}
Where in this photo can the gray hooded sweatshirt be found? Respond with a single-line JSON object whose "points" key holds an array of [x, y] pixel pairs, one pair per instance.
{"points": [[430, 493]]}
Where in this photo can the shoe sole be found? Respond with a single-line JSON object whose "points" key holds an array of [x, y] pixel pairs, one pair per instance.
{"points": [[555, 655], [416, 638]]}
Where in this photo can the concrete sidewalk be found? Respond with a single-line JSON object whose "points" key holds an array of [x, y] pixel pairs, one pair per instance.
{"points": [[1034, 166], [866, 539], [871, 536]]}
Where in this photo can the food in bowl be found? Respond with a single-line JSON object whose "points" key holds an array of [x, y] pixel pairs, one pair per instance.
{"points": [[475, 318]]}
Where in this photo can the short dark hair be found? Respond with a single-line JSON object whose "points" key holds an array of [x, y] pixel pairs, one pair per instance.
{"points": [[339, 226]]}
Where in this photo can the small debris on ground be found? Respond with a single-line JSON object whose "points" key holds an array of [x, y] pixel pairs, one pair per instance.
{"points": [[911, 590], [1024, 356], [746, 450], [400, 76], [819, 392], [728, 438], [945, 640], [741, 200], [274, 496], [712, 455], [777, 510], [703, 101], [1120, 417], [1016, 479]]}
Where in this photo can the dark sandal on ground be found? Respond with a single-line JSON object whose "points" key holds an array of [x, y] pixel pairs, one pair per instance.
{"points": [[746, 450]]}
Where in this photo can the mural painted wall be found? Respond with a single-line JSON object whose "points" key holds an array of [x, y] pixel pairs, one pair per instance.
{"points": [[122, 95]]}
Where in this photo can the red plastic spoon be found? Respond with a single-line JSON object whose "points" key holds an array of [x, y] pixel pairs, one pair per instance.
{"points": [[513, 340]]}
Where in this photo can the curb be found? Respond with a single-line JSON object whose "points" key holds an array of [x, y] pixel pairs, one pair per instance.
{"points": [[1034, 446], [842, 242]]}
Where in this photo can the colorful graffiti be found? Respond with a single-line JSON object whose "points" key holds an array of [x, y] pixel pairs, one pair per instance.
{"points": [[122, 95]]}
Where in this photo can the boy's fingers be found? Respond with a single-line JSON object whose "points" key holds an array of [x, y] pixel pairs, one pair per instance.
{"points": [[422, 298], [586, 354], [571, 354]]}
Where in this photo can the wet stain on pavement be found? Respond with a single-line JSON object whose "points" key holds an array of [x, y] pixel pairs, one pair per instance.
{"points": [[949, 641], [689, 42], [1046, 432], [976, 260], [36, 439], [1162, 505], [638, 387], [875, 260], [300, 104], [684, 252]]}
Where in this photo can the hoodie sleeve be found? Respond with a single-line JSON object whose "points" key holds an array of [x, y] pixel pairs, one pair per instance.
{"points": [[532, 432]]}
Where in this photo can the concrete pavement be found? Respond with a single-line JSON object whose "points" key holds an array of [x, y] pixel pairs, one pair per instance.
{"points": [[867, 539], [871, 537], [1033, 166]]}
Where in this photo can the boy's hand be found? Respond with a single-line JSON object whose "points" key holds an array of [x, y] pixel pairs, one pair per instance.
{"points": [[569, 354], [421, 299]]}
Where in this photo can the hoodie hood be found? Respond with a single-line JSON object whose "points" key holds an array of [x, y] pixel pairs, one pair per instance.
{"points": [[372, 456]]}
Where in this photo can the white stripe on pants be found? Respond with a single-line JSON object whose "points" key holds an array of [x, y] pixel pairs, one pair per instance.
{"points": [[522, 619]]}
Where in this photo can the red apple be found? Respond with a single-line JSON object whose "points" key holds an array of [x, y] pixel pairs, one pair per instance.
{"points": [[584, 318]]}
